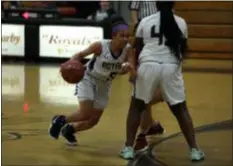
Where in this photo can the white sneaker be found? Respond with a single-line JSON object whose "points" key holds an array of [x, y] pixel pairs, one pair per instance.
{"points": [[127, 153], [196, 155]]}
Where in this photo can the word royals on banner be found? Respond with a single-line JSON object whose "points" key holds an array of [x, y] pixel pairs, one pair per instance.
{"points": [[65, 41]]}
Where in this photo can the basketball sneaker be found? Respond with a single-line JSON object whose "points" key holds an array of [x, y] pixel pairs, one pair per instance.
{"points": [[141, 143], [55, 128], [68, 133], [196, 155], [127, 153], [155, 129]]}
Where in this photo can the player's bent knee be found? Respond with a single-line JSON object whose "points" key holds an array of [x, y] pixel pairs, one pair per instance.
{"points": [[95, 117], [86, 107], [93, 122]]}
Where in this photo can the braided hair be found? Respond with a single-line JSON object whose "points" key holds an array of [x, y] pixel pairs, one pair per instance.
{"points": [[175, 39]]}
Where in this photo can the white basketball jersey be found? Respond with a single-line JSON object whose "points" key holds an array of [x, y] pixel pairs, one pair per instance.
{"points": [[153, 50], [106, 65]]}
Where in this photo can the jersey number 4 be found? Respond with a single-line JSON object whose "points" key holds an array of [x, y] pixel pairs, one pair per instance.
{"points": [[154, 34]]}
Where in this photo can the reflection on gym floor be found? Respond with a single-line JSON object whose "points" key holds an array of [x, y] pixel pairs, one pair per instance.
{"points": [[42, 90]]}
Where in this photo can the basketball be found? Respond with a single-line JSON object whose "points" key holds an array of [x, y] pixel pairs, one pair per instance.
{"points": [[72, 71]]}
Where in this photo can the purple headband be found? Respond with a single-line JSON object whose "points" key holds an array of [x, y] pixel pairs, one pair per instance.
{"points": [[119, 27]]}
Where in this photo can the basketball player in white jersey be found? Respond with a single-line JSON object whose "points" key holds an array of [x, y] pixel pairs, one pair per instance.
{"points": [[109, 59], [161, 43]]}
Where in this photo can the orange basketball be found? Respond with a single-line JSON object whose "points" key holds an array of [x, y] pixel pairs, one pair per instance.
{"points": [[72, 71]]}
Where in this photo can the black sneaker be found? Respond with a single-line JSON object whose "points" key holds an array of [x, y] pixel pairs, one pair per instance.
{"points": [[155, 129], [68, 133], [55, 128], [140, 143]]}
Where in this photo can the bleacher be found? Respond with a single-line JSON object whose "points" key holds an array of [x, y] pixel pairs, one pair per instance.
{"points": [[210, 26]]}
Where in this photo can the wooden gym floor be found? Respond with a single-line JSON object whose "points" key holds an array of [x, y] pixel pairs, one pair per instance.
{"points": [[32, 94]]}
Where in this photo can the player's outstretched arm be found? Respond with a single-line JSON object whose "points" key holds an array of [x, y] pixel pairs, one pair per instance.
{"points": [[95, 48], [130, 62]]}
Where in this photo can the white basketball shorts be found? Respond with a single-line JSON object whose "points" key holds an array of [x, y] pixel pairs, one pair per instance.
{"points": [[166, 76], [90, 88]]}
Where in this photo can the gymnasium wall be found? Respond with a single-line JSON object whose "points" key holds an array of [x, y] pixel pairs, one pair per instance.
{"points": [[210, 31], [210, 28]]}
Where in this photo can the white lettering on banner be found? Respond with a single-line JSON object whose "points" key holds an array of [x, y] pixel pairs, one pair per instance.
{"points": [[53, 89], [65, 41], [48, 15], [13, 40], [12, 80], [32, 15], [15, 14]]}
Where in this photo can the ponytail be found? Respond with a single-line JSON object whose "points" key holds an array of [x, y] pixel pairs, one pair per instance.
{"points": [[175, 39]]}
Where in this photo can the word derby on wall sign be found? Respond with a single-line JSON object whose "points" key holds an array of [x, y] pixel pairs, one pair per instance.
{"points": [[13, 40], [65, 41]]}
